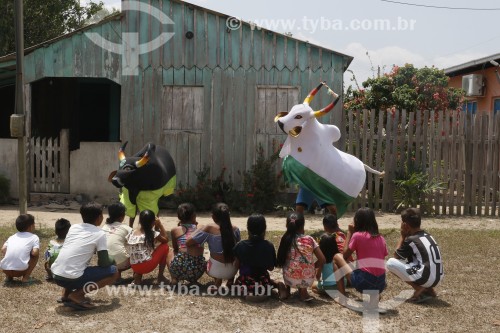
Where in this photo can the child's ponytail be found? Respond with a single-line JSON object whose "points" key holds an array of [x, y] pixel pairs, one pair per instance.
{"points": [[294, 223], [221, 214], [146, 221]]}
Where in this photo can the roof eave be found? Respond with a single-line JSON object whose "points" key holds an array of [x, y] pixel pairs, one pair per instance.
{"points": [[472, 66]]}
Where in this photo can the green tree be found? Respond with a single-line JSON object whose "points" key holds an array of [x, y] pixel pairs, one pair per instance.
{"points": [[43, 20], [406, 88]]}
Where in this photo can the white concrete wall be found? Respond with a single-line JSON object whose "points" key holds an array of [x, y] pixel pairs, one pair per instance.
{"points": [[8, 164], [90, 166]]}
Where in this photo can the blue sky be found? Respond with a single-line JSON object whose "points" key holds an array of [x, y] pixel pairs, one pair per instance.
{"points": [[405, 34]]}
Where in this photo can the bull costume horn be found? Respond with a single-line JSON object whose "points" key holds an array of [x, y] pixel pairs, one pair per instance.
{"points": [[121, 152], [327, 108], [144, 160]]}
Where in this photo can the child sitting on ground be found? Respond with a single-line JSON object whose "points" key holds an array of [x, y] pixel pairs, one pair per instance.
{"points": [[185, 262], [116, 236], [296, 256], [148, 248], [221, 237], [417, 259], [61, 228], [255, 257], [331, 226], [71, 269], [364, 238], [325, 275], [21, 250]]}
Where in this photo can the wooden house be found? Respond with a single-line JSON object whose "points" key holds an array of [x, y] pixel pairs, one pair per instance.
{"points": [[209, 94]]}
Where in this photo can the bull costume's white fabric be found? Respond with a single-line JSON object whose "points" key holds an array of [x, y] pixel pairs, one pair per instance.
{"points": [[311, 160]]}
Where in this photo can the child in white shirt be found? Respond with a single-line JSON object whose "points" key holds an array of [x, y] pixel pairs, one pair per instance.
{"points": [[71, 269], [21, 250]]}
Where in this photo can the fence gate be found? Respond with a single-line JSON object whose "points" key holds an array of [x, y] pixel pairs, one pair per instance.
{"points": [[49, 160]]}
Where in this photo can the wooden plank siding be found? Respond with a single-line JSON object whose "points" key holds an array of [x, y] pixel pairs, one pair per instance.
{"points": [[236, 80], [211, 100]]}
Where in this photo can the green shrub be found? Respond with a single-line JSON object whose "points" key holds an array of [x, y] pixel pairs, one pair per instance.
{"points": [[4, 190], [411, 190], [206, 192], [260, 186]]}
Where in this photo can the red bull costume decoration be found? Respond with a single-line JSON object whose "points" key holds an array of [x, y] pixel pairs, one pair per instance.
{"points": [[144, 178], [310, 159]]}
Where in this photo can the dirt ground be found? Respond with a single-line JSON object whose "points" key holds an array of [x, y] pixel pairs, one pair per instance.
{"points": [[466, 301], [46, 215]]}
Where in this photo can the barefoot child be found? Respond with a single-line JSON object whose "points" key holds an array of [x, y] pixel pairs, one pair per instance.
{"points": [[417, 260], [71, 269], [61, 228], [21, 250], [296, 256]]}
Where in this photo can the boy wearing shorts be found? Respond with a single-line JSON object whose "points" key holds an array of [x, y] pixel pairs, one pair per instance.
{"points": [[305, 199], [71, 270], [417, 260], [21, 250]]}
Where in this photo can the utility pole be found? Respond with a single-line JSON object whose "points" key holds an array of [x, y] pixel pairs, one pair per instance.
{"points": [[17, 120]]}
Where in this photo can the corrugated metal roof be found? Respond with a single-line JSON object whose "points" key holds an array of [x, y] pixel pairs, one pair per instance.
{"points": [[472, 66]]}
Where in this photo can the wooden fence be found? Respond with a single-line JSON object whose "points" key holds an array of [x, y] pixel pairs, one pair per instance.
{"points": [[49, 161], [461, 150]]}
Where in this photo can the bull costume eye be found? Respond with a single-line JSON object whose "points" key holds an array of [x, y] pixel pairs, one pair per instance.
{"points": [[279, 115], [298, 117]]}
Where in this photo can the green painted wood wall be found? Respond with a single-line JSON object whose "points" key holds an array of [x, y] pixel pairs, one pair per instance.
{"points": [[229, 66]]}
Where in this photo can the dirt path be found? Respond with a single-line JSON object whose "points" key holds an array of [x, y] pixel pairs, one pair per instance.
{"points": [[46, 215]]}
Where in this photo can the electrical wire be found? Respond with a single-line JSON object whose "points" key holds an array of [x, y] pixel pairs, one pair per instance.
{"points": [[439, 7]]}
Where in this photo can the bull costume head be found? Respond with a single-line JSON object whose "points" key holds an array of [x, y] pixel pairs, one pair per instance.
{"points": [[310, 159], [128, 166], [292, 122], [144, 177]]}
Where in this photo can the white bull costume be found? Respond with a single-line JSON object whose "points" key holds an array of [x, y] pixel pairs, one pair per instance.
{"points": [[311, 160]]}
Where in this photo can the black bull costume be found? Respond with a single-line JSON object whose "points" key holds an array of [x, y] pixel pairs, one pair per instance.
{"points": [[144, 178]]}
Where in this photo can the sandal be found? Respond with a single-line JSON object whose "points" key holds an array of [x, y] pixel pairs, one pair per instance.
{"points": [[420, 299], [30, 282], [82, 306], [307, 299]]}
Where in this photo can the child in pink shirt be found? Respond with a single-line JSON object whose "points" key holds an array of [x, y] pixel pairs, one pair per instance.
{"points": [[364, 238]]}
